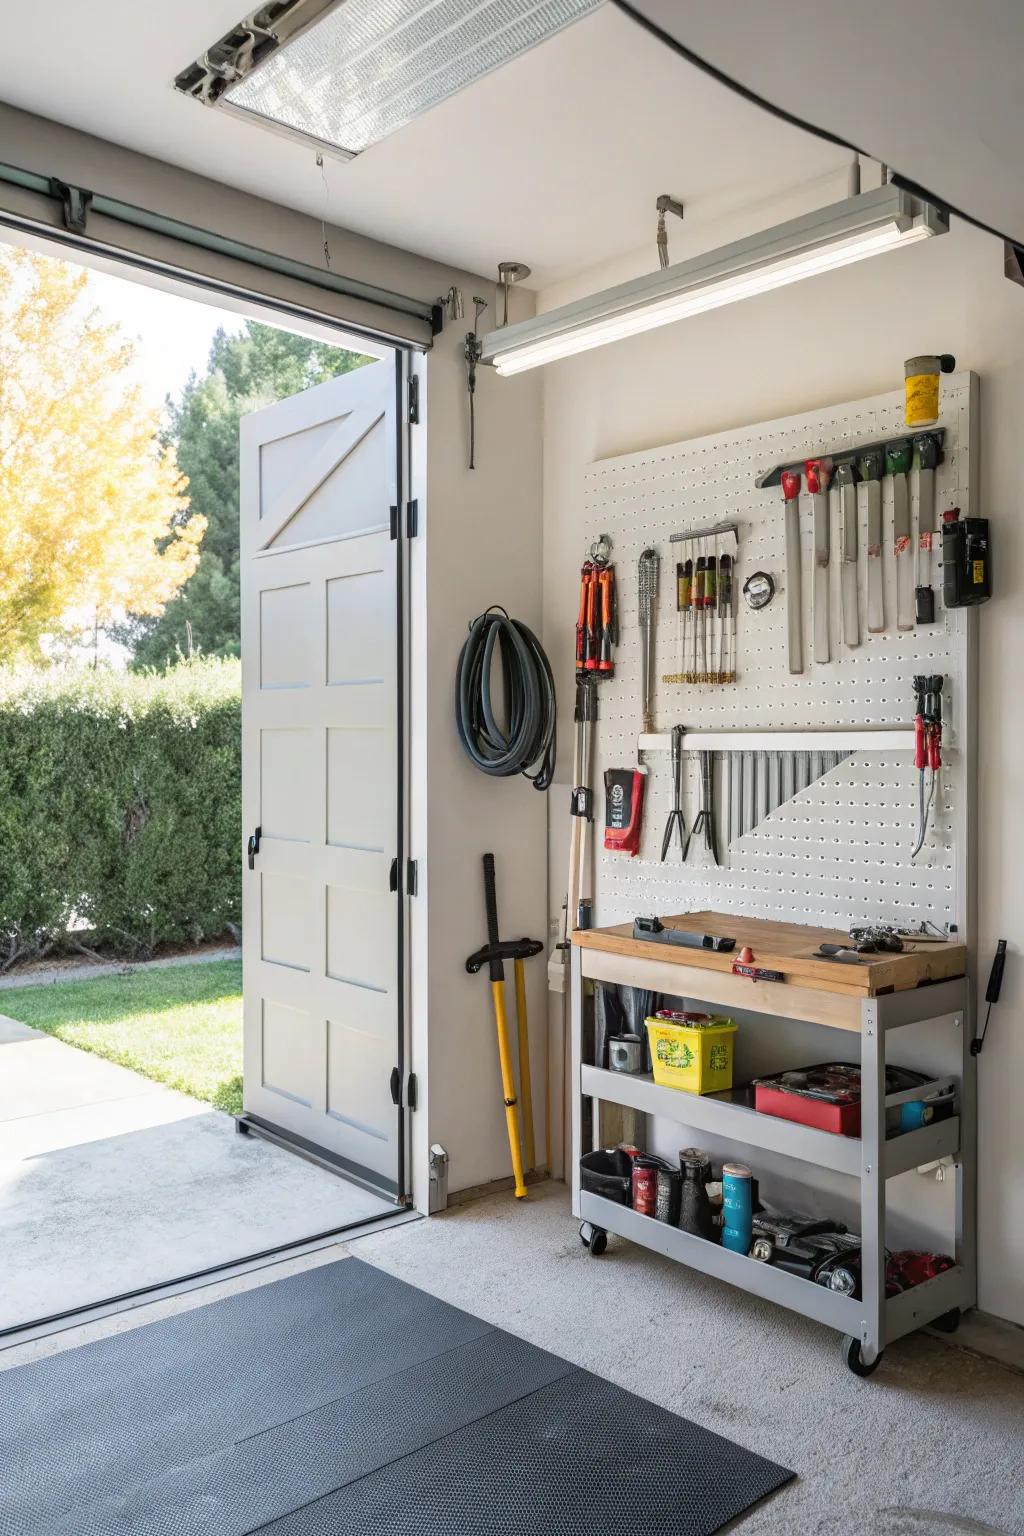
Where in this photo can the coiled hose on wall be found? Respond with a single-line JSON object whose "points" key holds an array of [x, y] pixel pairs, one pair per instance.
{"points": [[525, 743]]}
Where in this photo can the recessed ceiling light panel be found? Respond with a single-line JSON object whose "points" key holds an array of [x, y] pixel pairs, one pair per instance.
{"points": [[348, 73]]}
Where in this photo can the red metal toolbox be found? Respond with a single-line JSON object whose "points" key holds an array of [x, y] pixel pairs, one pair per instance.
{"points": [[826, 1096]]}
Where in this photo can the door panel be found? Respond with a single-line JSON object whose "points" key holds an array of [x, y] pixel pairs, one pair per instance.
{"points": [[321, 732]]}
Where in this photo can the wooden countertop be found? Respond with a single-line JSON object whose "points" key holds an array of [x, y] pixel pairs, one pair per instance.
{"points": [[789, 948]]}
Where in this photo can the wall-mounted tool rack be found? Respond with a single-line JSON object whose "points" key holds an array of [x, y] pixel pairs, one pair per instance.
{"points": [[870, 1003], [838, 849]]}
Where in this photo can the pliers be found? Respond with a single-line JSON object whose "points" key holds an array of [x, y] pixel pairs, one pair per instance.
{"points": [[675, 818], [706, 814]]}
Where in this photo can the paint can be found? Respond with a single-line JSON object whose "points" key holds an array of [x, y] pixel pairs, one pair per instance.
{"points": [[670, 1190], [626, 1053], [921, 388], [737, 1207], [645, 1184]]}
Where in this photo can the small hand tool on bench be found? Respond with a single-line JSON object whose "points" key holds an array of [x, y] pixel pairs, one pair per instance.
{"points": [[654, 930]]}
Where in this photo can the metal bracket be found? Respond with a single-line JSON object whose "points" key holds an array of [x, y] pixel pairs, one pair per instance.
{"points": [[414, 399], [74, 203]]}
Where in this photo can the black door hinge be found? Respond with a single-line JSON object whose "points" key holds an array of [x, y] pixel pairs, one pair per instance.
{"points": [[414, 400], [393, 876], [412, 519], [253, 846], [394, 522], [74, 205], [411, 877], [395, 1085]]}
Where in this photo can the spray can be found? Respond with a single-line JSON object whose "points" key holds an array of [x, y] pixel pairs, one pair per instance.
{"points": [[737, 1207], [921, 387]]}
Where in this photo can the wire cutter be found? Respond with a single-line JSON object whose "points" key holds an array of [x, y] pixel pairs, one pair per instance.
{"points": [[706, 815], [675, 818]]}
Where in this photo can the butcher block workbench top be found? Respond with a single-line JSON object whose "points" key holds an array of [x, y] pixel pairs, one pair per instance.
{"points": [[789, 948]]}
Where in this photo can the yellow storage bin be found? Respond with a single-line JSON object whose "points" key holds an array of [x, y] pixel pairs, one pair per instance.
{"points": [[694, 1057]]}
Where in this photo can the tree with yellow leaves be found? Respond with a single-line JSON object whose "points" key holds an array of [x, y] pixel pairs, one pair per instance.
{"points": [[94, 519]]}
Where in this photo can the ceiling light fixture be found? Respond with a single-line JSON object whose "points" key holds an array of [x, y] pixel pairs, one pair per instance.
{"points": [[346, 73], [816, 242]]}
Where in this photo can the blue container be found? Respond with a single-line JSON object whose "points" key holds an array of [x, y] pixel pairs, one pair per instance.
{"points": [[737, 1207]]}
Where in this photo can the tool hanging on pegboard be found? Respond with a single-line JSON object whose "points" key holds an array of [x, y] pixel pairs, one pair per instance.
{"points": [[648, 569], [705, 606], [897, 464], [818, 472], [927, 749]]}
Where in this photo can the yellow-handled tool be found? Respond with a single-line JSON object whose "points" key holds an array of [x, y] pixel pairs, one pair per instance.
{"points": [[493, 955]]}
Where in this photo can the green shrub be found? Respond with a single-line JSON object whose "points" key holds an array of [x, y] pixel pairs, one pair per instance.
{"points": [[120, 808]]}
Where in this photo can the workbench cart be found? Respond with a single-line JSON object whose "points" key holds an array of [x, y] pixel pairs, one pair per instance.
{"points": [[869, 999]]}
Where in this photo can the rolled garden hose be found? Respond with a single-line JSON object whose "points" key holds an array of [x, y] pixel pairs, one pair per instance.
{"points": [[525, 742]]}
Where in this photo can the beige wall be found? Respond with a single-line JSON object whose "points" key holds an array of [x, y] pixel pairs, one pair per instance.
{"points": [[839, 337]]}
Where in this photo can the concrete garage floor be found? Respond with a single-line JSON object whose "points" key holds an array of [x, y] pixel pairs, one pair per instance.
{"points": [[109, 1182], [932, 1444]]}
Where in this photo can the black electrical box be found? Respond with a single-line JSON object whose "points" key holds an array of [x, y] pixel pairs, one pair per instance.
{"points": [[966, 573]]}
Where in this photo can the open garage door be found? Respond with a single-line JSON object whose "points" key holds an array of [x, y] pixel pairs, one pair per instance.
{"points": [[322, 623]]}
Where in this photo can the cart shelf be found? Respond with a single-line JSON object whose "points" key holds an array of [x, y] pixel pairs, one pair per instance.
{"points": [[925, 988], [768, 1133]]}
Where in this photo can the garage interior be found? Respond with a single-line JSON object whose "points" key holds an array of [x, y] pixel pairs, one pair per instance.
{"points": [[647, 510]]}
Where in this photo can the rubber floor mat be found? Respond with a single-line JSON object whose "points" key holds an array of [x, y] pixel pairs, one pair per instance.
{"points": [[343, 1400]]}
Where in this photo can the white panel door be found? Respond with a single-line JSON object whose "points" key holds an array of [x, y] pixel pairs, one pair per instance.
{"points": [[320, 769]]}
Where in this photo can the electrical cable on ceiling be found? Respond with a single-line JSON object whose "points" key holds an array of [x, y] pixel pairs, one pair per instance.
{"points": [[526, 742], [913, 187]]}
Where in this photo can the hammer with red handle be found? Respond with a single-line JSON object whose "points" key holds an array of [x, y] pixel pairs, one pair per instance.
{"points": [[794, 589]]}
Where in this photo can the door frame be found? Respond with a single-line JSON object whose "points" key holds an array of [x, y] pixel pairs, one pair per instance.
{"points": [[251, 303]]}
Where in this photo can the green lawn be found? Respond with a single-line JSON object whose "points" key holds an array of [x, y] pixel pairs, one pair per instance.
{"points": [[180, 1025]]}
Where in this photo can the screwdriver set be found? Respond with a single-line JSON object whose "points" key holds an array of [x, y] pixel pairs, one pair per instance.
{"points": [[705, 573]]}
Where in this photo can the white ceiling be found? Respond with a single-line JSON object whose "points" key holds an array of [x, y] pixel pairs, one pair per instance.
{"points": [[555, 160], [931, 86]]}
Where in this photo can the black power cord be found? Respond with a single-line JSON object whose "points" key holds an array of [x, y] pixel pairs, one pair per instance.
{"points": [[800, 122], [526, 742]]}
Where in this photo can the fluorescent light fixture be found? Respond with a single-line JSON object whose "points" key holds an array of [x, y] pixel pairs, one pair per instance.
{"points": [[816, 242], [346, 73]]}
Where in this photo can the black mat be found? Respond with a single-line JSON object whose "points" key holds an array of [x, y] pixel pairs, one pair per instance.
{"points": [[343, 1400]]}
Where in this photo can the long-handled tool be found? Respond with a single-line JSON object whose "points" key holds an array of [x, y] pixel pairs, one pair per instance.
{"points": [[897, 463], [581, 800], [647, 602], [927, 748], [926, 457], [705, 820], [870, 467], [675, 821], [847, 487], [494, 954], [794, 587], [818, 472]]}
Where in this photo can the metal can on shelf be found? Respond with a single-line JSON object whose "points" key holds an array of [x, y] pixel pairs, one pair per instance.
{"points": [[645, 1184]]}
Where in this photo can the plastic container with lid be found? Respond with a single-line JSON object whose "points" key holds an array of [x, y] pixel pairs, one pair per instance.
{"points": [[692, 1051]]}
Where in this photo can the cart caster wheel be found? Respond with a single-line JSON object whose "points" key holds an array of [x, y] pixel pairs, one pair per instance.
{"points": [[855, 1360], [949, 1322], [594, 1238]]}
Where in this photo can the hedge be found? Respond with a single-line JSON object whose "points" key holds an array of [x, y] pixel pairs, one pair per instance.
{"points": [[120, 808]]}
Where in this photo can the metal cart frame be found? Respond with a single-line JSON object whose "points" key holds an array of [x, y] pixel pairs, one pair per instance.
{"points": [[874, 1321]]}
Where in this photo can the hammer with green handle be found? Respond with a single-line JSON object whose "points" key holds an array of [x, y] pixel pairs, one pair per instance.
{"points": [[870, 467], [897, 463]]}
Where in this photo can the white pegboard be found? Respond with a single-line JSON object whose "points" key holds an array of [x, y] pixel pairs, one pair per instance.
{"points": [[839, 851]]}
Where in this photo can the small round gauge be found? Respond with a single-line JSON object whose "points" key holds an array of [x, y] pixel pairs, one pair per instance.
{"points": [[758, 589]]}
